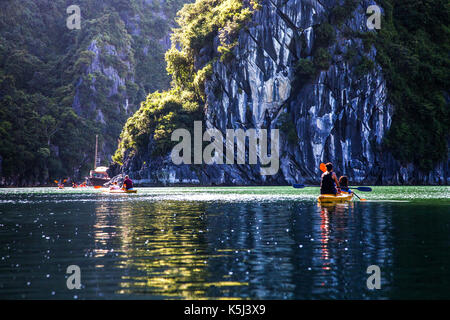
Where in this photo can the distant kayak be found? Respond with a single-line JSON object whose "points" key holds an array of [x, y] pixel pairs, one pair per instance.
{"points": [[120, 191], [331, 198]]}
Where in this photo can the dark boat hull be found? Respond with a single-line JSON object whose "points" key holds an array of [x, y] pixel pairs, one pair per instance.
{"points": [[98, 182]]}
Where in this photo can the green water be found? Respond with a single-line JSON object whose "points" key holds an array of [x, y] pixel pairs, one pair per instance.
{"points": [[224, 242]]}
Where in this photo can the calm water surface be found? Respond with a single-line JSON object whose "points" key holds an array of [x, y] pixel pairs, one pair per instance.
{"points": [[246, 243]]}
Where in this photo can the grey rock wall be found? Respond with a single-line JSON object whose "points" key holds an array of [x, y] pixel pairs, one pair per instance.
{"points": [[339, 115]]}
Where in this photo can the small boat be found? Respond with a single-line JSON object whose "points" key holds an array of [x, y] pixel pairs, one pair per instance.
{"points": [[98, 176], [331, 198]]}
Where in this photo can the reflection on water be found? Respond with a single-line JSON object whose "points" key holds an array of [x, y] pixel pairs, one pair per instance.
{"points": [[281, 249], [165, 242]]}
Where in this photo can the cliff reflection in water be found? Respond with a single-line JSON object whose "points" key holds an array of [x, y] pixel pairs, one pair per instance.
{"points": [[276, 250]]}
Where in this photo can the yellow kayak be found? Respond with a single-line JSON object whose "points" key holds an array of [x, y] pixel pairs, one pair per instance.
{"points": [[121, 191], [331, 198]]}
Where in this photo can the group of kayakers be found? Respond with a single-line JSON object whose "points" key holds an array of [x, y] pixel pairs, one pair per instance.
{"points": [[330, 183], [127, 184], [81, 185]]}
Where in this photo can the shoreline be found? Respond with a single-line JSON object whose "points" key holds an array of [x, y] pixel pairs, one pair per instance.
{"points": [[230, 186]]}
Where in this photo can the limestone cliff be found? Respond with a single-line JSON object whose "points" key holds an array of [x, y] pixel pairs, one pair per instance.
{"points": [[338, 112]]}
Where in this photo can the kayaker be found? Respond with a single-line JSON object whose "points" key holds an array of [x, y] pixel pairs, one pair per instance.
{"points": [[127, 183], [343, 183], [329, 181], [114, 186]]}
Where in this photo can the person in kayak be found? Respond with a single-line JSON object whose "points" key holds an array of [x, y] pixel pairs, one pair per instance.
{"points": [[114, 186], [127, 183], [329, 181], [343, 183]]}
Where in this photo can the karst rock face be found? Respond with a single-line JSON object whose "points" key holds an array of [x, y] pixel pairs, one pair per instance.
{"points": [[123, 65], [338, 114]]}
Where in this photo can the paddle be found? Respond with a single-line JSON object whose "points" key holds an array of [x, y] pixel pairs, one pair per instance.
{"points": [[97, 187], [364, 189], [359, 197]]}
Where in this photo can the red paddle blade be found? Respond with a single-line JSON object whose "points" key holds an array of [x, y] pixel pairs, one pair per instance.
{"points": [[323, 168], [97, 187]]}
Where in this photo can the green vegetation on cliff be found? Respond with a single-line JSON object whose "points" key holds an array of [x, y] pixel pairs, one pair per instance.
{"points": [[200, 23], [413, 48], [60, 87]]}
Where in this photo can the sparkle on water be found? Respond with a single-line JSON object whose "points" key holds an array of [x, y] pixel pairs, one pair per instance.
{"points": [[224, 242]]}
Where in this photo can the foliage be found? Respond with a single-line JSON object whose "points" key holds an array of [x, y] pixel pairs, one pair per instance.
{"points": [[324, 35], [45, 67], [350, 54], [322, 59], [365, 65], [29, 135], [305, 68], [412, 48], [161, 113], [340, 13], [202, 21], [287, 126]]}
